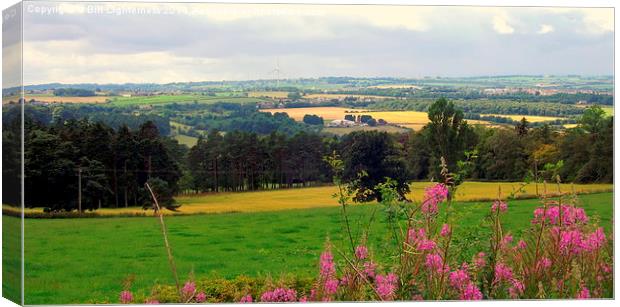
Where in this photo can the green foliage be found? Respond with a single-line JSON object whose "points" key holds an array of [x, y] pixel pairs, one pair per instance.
{"points": [[111, 166], [294, 95], [76, 92], [377, 154], [312, 119], [448, 135]]}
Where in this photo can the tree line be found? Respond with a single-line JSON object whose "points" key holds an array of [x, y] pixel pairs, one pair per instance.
{"points": [[80, 163], [110, 165]]}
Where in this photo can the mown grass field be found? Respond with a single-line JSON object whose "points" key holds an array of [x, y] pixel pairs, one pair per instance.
{"points": [[86, 260]]}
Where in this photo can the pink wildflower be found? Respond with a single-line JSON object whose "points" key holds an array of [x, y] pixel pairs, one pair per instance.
{"points": [[595, 240], [502, 272], [331, 286], [344, 280], [189, 288], [544, 263], [521, 244], [370, 269], [499, 206], [570, 215], [506, 241], [571, 241], [361, 252], [434, 262], [459, 279], [471, 292], [201, 297], [303, 299], [479, 260], [426, 245], [327, 264], [516, 289], [246, 299], [445, 230], [387, 285], [433, 196], [126, 297], [584, 293], [279, 295]]}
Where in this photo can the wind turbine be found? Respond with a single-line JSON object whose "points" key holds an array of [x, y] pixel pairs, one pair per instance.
{"points": [[277, 72]]}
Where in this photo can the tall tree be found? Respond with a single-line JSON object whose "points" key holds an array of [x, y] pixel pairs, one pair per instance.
{"points": [[448, 135], [376, 154]]}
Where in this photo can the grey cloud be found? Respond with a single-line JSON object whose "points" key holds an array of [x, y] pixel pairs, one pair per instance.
{"points": [[458, 42]]}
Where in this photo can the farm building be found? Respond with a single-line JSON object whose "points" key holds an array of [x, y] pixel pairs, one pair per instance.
{"points": [[341, 123]]}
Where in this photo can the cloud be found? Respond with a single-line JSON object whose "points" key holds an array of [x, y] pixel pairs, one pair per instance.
{"points": [[501, 26], [545, 28], [129, 42]]}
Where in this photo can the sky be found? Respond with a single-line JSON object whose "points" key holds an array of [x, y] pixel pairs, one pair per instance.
{"points": [[161, 43]]}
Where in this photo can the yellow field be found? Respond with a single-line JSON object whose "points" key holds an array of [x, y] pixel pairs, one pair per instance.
{"points": [[68, 99], [408, 119], [529, 118], [10, 99], [270, 94], [321, 197], [346, 130], [328, 113], [186, 140]]}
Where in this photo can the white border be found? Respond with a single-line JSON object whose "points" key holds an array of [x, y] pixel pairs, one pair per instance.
{"points": [[565, 3]]}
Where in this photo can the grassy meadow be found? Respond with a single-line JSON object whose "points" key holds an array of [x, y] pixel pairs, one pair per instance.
{"points": [[86, 260]]}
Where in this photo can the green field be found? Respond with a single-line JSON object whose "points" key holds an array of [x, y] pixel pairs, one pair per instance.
{"points": [[185, 98], [86, 260]]}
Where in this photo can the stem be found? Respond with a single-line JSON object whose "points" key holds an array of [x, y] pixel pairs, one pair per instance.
{"points": [[165, 235], [346, 218], [359, 273]]}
